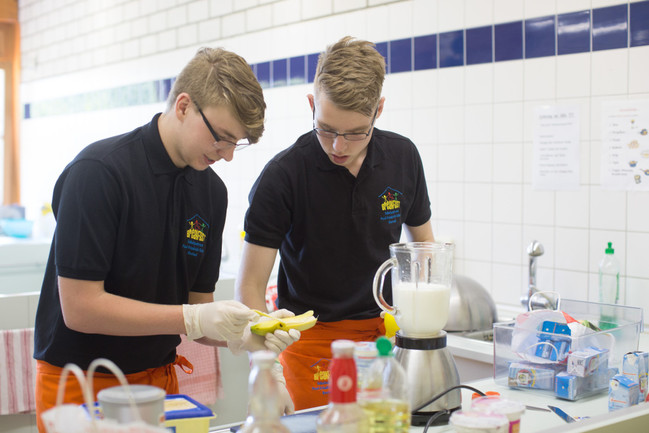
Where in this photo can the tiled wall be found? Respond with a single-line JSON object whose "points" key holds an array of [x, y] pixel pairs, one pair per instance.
{"points": [[465, 77]]}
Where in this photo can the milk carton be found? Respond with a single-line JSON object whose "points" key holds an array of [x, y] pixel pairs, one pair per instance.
{"points": [[622, 392], [635, 366], [585, 362]]}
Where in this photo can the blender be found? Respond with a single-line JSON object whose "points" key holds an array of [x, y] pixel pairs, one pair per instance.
{"points": [[422, 276]]}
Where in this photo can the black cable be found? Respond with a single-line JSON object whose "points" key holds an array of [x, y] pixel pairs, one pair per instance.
{"points": [[445, 411], [432, 419], [420, 407]]}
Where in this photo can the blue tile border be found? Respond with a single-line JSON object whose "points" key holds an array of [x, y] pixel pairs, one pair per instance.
{"points": [[610, 28], [479, 45], [573, 33], [606, 28], [540, 36]]}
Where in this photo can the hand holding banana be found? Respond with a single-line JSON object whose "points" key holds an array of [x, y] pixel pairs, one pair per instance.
{"points": [[275, 331]]}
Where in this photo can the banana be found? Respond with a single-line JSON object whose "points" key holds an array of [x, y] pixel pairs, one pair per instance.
{"points": [[301, 322]]}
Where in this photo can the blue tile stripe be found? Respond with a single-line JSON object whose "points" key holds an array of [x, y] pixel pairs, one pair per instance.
{"points": [[605, 28]]}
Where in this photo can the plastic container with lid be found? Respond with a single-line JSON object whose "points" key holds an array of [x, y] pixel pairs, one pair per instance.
{"points": [[149, 400], [186, 415], [513, 410], [473, 421]]}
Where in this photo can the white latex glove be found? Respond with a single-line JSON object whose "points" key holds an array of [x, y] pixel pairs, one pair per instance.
{"points": [[221, 320], [276, 341], [285, 402]]}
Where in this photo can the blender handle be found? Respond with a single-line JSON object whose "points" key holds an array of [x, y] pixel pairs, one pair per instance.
{"points": [[377, 286]]}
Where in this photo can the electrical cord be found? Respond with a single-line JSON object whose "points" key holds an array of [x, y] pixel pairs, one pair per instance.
{"points": [[445, 411]]}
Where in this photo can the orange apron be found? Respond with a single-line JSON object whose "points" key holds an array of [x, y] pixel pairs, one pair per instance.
{"points": [[306, 362], [48, 377]]}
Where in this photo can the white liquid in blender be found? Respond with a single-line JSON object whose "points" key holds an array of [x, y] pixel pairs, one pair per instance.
{"points": [[423, 309]]}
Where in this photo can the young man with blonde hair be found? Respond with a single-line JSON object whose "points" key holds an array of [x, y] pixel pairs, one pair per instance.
{"points": [[137, 248], [322, 204]]}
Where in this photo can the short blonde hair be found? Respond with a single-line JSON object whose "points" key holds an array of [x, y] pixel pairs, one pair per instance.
{"points": [[216, 77], [351, 73]]}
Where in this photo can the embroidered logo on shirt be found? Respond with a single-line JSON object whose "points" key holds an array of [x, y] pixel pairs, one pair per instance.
{"points": [[390, 202], [196, 230], [320, 371]]}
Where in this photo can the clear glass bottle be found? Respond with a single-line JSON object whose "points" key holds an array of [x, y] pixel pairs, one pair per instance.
{"points": [[343, 414], [383, 394], [264, 409], [609, 286]]}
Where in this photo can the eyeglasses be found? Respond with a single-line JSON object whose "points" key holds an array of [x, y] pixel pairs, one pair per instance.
{"points": [[350, 136], [241, 144]]}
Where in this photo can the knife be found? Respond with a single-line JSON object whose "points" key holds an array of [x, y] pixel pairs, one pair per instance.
{"points": [[564, 416]]}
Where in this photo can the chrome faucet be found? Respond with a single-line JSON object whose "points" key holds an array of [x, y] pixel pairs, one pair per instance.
{"points": [[534, 250]]}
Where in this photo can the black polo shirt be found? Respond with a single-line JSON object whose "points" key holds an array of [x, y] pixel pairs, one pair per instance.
{"points": [[333, 229], [126, 215]]}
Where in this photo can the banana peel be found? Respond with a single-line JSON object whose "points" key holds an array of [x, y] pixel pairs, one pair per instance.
{"points": [[300, 322]]}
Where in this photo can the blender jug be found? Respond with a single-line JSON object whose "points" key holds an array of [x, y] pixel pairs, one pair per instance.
{"points": [[422, 276]]}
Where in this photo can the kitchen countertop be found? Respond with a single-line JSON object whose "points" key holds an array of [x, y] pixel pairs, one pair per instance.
{"points": [[533, 421]]}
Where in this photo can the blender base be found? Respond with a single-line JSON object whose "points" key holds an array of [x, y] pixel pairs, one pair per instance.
{"points": [[421, 418]]}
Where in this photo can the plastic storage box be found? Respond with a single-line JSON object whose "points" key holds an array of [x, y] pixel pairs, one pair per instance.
{"points": [[185, 415], [549, 359]]}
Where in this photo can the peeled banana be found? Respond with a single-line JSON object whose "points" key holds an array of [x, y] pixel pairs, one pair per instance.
{"points": [[301, 322]]}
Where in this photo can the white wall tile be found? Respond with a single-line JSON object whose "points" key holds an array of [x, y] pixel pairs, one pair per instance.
{"points": [[571, 285], [450, 200], [259, 18], [424, 17], [508, 81], [636, 255], [450, 15], [573, 75], [478, 13], [507, 205], [572, 208], [450, 125], [378, 22], [451, 168], [572, 249], [478, 84], [424, 124], [286, 11], [424, 88], [478, 122], [450, 86], [538, 206], [478, 202], [508, 122], [607, 209], [573, 6], [451, 231], [539, 78], [609, 72], [478, 241], [506, 243], [506, 287], [540, 8], [508, 162], [508, 10], [478, 163], [340, 6], [638, 66], [400, 20], [637, 294], [637, 212]]}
